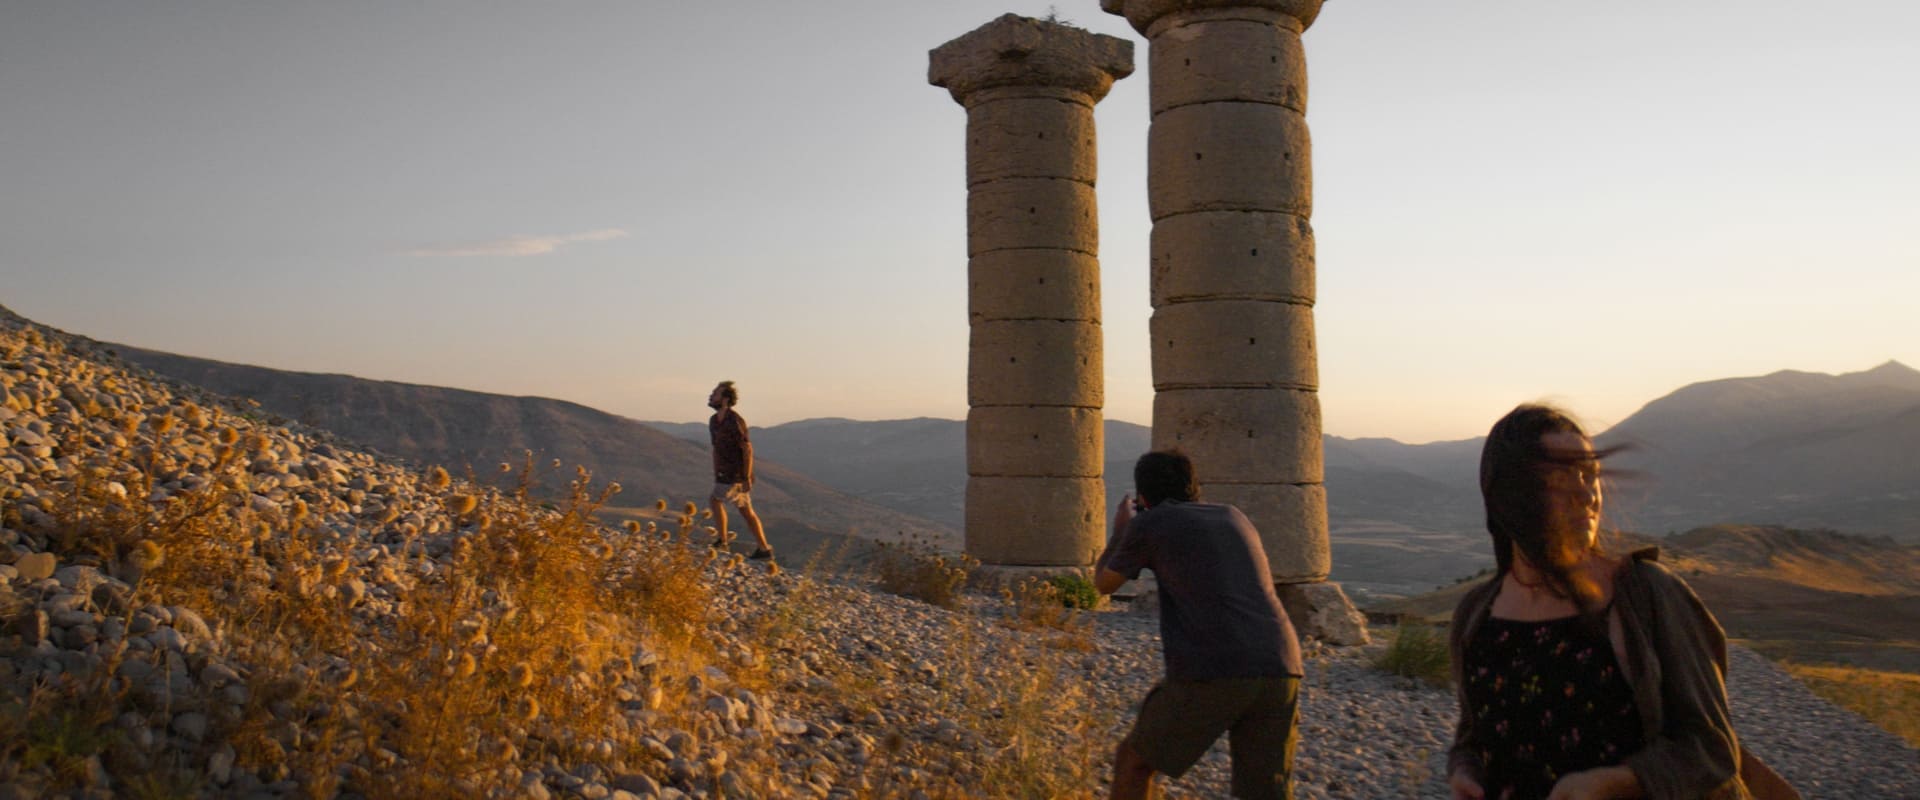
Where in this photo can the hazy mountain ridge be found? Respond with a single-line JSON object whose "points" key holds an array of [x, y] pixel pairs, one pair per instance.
{"points": [[884, 462], [917, 466], [1789, 592], [461, 428], [1749, 411], [1798, 449], [1814, 558]]}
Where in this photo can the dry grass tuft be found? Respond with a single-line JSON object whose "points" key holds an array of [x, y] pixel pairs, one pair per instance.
{"points": [[1418, 651], [914, 568], [1890, 700]]}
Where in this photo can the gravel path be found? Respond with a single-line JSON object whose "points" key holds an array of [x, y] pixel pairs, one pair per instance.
{"points": [[1364, 733]]}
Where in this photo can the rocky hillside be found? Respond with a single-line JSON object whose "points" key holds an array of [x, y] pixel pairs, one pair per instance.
{"points": [[195, 602], [462, 429], [198, 602]]}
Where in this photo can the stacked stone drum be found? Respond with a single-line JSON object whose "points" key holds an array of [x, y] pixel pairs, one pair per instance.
{"points": [[1230, 190], [1034, 374]]}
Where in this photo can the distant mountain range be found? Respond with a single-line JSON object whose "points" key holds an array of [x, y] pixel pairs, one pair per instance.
{"points": [[1801, 595], [914, 465], [1795, 449], [462, 429], [1791, 449], [919, 466]]}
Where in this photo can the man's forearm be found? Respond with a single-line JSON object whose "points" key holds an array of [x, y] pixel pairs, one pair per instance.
{"points": [[1113, 545], [1122, 521], [1104, 578]]}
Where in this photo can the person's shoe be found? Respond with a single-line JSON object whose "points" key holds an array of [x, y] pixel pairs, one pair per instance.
{"points": [[762, 554], [718, 543]]}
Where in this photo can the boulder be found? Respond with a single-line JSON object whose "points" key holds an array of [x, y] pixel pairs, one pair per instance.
{"points": [[1322, 611]]}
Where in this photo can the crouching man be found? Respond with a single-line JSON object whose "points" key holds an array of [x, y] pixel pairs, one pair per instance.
{"points": [[1233, 662]]}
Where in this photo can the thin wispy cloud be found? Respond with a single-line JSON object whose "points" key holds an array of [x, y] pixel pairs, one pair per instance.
{"points": [[517, 245]]}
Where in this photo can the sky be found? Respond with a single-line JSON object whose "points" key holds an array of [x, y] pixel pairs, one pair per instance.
{"points": [[621, 203]]}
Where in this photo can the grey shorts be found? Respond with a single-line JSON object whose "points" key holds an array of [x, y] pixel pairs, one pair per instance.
{"points": [[1179, 720], [735, 493]]}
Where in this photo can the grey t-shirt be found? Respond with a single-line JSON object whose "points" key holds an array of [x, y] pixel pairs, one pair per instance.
{"points": [[1219, 617]]}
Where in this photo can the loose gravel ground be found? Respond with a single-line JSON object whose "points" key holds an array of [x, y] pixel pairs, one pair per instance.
{"points": [[870, 690], [1365, 733]]}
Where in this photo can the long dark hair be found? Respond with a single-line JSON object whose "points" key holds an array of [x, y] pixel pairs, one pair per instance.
{"points": [[1513, 483]]}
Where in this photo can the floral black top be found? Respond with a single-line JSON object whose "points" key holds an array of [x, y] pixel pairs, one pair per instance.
{"points": [[1549, 699]]}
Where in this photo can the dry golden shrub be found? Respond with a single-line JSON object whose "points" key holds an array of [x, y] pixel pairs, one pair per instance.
{"points": [[502, 652], [914, 568], [1888, 699]]}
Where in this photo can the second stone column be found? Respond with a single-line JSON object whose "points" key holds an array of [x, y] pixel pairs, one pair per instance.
{"points": [[1230, 189], [1035, 385]]}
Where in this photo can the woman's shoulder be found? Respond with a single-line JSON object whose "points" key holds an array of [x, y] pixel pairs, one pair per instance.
{"points": [[1643, 566], [1656, 585]]}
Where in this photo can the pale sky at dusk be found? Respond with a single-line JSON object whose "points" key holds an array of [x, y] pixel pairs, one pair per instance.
{"points": [[619, 203]]}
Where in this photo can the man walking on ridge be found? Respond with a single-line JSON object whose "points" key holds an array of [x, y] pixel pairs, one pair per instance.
{"points": [[1233, 662], [732, 467]]}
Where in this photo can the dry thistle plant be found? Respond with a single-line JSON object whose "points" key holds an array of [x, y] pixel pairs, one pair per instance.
{"points": [[1039, 605], [913, 568]]}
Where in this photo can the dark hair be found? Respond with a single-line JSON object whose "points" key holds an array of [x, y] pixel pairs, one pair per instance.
{"points": [[1165, 475], [728, 393], [1513, 483]]}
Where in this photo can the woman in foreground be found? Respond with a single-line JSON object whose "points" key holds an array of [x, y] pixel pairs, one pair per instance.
{"points": [[1580, 674]]}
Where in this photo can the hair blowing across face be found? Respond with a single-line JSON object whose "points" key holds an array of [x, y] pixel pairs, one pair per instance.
{"points": [[1520, 516]]}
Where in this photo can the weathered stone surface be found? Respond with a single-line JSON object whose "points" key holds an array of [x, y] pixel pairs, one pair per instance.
{"points": [[1229, 156], [1145, 15], [1232, 255], [1292, 520], [1242, 435], [1016, 51], [1035, 521], [1033, 284], [1032, 212], [1230, 189], [35, 566], [1239, 60], [1035, 441], [1034, 377], [1234, 343], [1322, 610], [1032, 362], [1032, 137]]}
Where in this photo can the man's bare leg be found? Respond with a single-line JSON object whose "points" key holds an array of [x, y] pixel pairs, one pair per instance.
{"points": [[753, 524], [1132, 777], [720, 521]]}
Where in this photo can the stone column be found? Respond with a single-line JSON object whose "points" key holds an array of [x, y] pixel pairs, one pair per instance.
{"points": [[1034, 379], [1230, 189]]}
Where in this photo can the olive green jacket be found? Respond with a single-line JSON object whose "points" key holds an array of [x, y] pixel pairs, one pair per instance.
{"points": [[1676, 662]]}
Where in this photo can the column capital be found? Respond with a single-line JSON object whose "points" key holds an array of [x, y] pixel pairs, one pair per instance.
{"points": [[1143, 13], [1021, 52]]}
